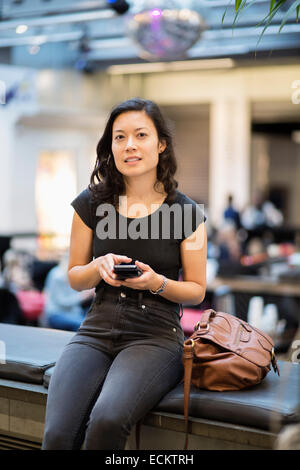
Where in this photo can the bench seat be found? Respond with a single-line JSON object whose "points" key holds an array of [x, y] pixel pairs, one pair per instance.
{"points": [[273, 403], [262, 410], [29, 351]]}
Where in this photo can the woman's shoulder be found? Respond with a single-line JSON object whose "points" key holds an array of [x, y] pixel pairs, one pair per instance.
{"points": [[182, 199], [85, 195], [83, 206], [190, 206]]}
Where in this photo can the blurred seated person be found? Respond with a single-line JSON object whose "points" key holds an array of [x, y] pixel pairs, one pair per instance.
{"points": [[228, 250], [255, 247], [10, 311], [228, 243], [231, 214], [65, 307], [16, 276], [261, 213]]}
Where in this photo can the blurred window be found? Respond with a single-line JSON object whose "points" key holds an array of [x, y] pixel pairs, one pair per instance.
{"points": [[55, 188]]}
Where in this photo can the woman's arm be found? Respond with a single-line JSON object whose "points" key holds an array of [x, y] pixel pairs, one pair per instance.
{"points": [[193, 258], [83, 272]]}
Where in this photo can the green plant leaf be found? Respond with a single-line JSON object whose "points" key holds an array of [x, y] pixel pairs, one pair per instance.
{"points": [[272, 3], [294, 6], [237, 4], [271, 15], [275, 5], [223, 17], [243, 7], [269, 18]]}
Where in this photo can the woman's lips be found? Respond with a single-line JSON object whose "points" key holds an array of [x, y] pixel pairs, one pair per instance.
{"points": [[132, 162]]}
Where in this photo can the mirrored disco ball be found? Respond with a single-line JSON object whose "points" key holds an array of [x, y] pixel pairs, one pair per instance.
{"points": [[163, 29]]}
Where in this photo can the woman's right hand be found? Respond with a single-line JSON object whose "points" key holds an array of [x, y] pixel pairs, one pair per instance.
{"points": [[105, 265]]}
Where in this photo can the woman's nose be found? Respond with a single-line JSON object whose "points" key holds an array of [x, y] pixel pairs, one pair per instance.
{"points": [[130, 143]]}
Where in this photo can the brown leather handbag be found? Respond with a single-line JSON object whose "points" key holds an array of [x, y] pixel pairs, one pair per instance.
{"points": [[225, 353]]}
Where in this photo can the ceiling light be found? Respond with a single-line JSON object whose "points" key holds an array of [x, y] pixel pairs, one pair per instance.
{"points": [[33, 50], [78, 17], [22, 28], [39, 40], [163, 29], [184, 65]]}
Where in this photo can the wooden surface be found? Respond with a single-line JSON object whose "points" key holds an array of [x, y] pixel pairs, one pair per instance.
{"points": [[256, 285]]}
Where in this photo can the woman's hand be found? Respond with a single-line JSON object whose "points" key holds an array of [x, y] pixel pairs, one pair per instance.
{"points": [[105, 266], [148, 280]]}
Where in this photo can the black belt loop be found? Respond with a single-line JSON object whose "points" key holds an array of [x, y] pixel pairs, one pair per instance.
{"points": [[140, 299]]}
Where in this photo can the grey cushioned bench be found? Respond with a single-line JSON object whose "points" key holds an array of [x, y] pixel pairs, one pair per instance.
{"points": [[30, 351], [258, 412], [273, 402]]}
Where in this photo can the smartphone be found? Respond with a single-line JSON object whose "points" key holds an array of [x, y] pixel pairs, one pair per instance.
{"points": [[127, 270]]}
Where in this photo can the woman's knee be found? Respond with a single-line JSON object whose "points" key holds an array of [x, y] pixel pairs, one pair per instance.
{"points": [[56, 439], [106, 430]]}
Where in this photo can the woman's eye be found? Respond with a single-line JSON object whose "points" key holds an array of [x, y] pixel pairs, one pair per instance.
{"points": [[142, 134], [118, 137]]}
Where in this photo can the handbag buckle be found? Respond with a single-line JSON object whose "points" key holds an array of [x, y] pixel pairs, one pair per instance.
{"points": [[189, 342], [197, 327]]}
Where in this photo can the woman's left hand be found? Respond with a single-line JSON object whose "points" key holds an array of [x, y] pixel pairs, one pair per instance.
{"points": [[148, 280]]}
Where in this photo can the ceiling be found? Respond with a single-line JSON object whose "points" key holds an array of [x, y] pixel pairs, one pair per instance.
{"points": [[90, 35]]}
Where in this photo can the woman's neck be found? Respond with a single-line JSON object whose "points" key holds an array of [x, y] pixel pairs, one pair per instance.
{"points": [[146, 193], [146, 198]]}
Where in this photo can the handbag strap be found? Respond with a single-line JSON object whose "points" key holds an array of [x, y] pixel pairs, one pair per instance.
{"points": [[188, 356], [205, 317]]}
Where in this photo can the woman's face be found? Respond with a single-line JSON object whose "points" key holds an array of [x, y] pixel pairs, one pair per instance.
{"points": [[135, 144]]}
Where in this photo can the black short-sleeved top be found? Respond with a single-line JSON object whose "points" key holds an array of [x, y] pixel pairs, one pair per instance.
{"points": [[153, 240]]}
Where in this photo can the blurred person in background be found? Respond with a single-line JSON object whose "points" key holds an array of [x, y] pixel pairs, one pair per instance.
{"points": [[261, 213], [10, 309], [229, 247], [231, 214], [64, 306], [16, 275]]}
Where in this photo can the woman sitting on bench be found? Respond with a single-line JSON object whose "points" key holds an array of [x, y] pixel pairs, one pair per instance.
{"points": [[127, 353]]}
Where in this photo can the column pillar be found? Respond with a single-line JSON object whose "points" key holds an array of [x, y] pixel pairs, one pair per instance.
{"points": [[229, 171], [7, 181]]}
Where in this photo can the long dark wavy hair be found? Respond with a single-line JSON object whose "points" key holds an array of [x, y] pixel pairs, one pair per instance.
{"points": [[106, 182]]}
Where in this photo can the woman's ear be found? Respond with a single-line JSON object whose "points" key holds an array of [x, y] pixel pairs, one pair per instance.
{"points": [[162, 146]]}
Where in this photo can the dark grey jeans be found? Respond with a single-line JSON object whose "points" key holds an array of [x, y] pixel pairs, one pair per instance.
{"points": [[125, 357]]}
